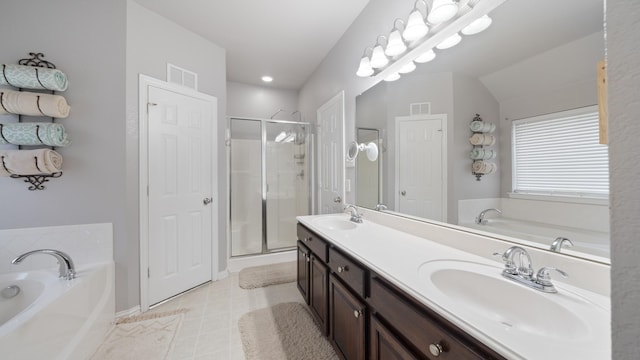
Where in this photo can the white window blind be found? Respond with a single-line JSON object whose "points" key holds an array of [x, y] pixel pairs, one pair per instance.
{"points": [[559, 154]]}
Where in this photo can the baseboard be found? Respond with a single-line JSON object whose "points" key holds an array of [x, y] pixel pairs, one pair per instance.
{"points": [[223, 274], [129, 312]]}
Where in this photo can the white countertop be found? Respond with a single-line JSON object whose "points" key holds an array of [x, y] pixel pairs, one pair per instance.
{"points": [[397, 256]]}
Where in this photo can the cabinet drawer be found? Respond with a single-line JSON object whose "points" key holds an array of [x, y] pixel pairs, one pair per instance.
{"points": [[421, 328], [316, 244], [348, 271]]}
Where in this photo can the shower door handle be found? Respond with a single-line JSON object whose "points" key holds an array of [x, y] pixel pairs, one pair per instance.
{"points": [[207, 201]]}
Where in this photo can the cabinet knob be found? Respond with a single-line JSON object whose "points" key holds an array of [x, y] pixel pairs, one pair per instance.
{"points": [[356, 313], [436, 349], [342, 268], [308, 238]]}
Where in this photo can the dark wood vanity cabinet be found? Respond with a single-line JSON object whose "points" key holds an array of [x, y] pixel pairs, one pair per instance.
{"points": [[313, 275], [417, 329], [367, 317]]}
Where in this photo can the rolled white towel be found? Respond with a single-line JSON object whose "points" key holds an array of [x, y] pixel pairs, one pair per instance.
{"points": [[30, 162], [479, 167], [33, 104]]}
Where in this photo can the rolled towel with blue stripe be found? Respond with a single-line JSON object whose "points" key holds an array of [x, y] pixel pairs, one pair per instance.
{"points": [[33, 77], [30, 162], [50, 134], [33, 104]]}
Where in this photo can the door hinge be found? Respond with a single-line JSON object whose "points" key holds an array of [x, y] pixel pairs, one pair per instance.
{"points": [[148, 273], [147, 190]]}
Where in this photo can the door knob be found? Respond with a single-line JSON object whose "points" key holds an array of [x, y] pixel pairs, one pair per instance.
{"points": [[337, 200], [403, 192], [207, 201]]}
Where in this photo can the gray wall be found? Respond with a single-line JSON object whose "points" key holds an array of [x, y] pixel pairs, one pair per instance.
{"points": [[471, 97], [86, 40], [153, 41], [244, 100], [562, 78], [623, 72]]}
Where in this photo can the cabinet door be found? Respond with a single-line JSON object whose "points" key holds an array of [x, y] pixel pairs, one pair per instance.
{"points": [[318, 295], [347, 322], [385, 345], [303, 271]]}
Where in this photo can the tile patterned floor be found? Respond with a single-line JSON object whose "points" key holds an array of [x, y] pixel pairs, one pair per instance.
{"points": [[210, 327]]}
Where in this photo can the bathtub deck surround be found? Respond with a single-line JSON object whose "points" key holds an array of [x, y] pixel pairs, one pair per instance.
{"points": [[54, 318], [455, 274]]}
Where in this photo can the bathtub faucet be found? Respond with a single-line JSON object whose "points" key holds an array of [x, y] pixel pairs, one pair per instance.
{"points": [[480, 220], [559, 242], [67, 269]]}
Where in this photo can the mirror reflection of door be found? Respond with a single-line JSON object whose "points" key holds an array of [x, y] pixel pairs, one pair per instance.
{"points": [[368, 172], [420, 168]]}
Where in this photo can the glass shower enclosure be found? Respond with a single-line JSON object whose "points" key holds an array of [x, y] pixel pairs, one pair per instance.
{"points": [[269, 184]]}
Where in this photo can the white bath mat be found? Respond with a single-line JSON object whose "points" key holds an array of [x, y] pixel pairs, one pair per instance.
{"points": [[147, 336], [260, 276], [283, 331]]}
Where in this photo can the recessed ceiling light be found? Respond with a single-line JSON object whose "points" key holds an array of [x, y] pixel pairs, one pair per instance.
{"points": [[267, 78]]}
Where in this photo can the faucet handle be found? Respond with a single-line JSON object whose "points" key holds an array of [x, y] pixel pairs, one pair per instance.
{"points": [[543, 276]]}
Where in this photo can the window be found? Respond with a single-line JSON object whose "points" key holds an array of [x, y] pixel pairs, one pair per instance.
{"points": [[559, 155]]}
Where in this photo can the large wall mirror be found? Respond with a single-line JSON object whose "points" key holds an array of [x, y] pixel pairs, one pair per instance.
{"points": [[536, 63]]}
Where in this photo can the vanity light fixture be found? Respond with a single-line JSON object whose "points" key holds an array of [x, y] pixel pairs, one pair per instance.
{"points": [[396, 45], [449, 42], [407, 68], [416, 28], [408, 42], [442, 11], [479, 25], [267, 79], [378, 58], [392, 77], [365, 69], [425, 57]]}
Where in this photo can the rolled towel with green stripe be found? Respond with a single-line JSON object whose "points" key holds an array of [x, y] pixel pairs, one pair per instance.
{"points": [[30, 162], [50, 134], [33, 104], [33, 77]]}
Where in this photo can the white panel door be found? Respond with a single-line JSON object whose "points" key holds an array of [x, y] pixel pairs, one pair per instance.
{"points": [[420, 168], [331, 155], [180, 179]]}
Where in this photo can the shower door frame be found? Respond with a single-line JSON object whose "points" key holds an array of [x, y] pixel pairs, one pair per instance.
{"points": [[263, 178]]}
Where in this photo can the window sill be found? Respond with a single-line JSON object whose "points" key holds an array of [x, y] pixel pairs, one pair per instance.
{"points": [[558, 198]]}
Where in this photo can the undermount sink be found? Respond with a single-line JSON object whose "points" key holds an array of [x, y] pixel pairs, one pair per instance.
{"points": [[480, 290], [334, 223]]}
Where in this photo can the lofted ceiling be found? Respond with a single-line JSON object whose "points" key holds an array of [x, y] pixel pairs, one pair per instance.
{"points": [[286, 39]]}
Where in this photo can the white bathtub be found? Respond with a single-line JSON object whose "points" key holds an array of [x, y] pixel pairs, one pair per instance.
{"points": [[53, 318], [594, 244]]}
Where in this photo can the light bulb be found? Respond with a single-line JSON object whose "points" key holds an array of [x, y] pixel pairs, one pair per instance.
{"points": [[378, 58], [396, 45], [426, 56], [450, 42], [365, 68], [407, 68], [441, 11], [392, 77], [416, 28], [478, 25]]}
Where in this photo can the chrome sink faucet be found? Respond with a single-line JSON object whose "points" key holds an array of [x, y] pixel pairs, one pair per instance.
{"points": [[380, 207], [356, 216], [480, 220], [66, 268], [559, 242], [523, 272]]}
